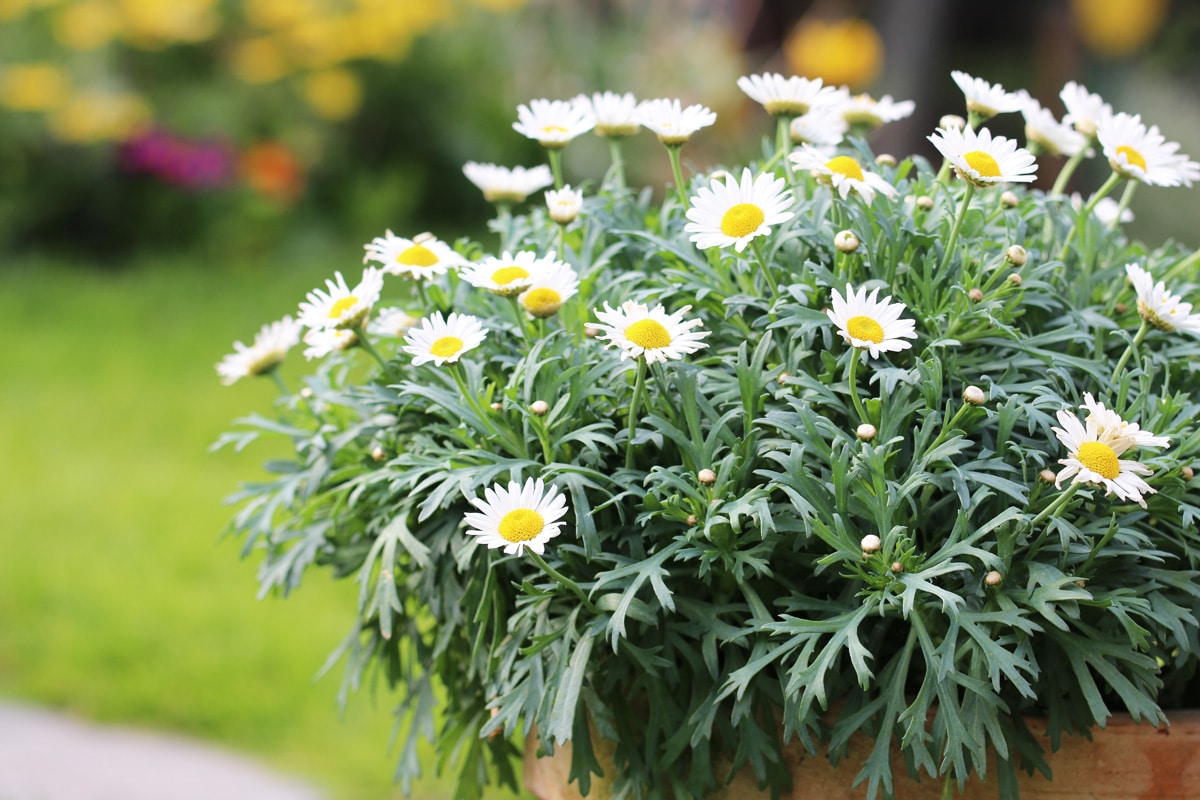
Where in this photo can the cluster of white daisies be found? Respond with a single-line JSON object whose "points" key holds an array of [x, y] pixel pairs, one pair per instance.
{"points": [[734, 211]]}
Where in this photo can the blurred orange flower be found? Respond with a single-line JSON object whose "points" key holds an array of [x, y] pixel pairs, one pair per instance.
{"points": [[272, 170], [841, 52]]}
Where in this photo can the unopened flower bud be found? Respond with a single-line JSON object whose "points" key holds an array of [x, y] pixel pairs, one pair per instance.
{"points": [[720, 175], [974, 395], [539, 407], [952, 122], [866, 431], [1081, 583], [707, 477], [1188, 473], [691, 520], [1120, 308], [976, 295], [496, 406], [377, 453], [306, 393], [924, 202], [885, 160], [1016, 255], [591, 331], [845, 242], [564, 204], [1015, 279], [897, 567], [1047, 476], [993, 578], [871, 543], [1010, 199]]}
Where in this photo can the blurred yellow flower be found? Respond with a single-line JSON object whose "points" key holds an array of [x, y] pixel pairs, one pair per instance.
{"points": [[334, 93], [85, 25], [260, 60], [1117, 28], [279, 14], [500, 5], [33, 87], [842, 52], [158, 23], [94, 116]]}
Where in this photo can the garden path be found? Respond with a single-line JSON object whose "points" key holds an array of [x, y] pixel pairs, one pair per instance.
{"points": [[50, 756]]}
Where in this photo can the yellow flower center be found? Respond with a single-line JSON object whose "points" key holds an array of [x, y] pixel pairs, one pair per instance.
{"points": [[648, 333], [865, 329], [542, 302], [446, 346], [742, 220], [417, 256], [847, 166], [983, 163], [1132, 156], [342, 306], [506, 275], [559, 129], [521, 525], [1099, 458]]}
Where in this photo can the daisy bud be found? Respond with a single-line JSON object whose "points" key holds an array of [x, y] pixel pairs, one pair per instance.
{"points": [[866, 431], [707, 477], [924, 202], [974, 395], [1047, 476], [1188, 473], [871, 543], [564, 204], [591, 331], [1081, 583], [885, 160], [720, 175], [1016, 255], [952, 122], [1015, 279], [976, 295], [691, 520], [993, 578], [539, 408], [306, 393], [377, 453], [1010, 199], [1120, 308], [897, 567], [845, 242], [496, 406]]}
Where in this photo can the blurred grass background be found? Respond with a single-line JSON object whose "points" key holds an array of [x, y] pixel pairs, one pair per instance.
{"points": [[120, 287]]}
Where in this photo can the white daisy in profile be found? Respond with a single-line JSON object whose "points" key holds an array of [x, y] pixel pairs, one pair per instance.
{"points": [[615, 114], [517, 517], [671, 122], [1159, 307], [341, 307], [982, 159], [553, 123], [842, 172], [1112, 430], [270, 347], [564, 204], [1048, 134], [392, 322], [1106, 209], [443, 341], [985, 99], [730, 212], [323, 341], [865, 112], [871, 324], [504, 185], [1094, 456], [1142, 154], [421, 257], [821, 127], [506, 275], [1085, 110], [639, 331], [549, 289], [785, 97]]}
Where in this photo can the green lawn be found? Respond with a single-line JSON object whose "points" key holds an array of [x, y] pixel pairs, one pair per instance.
{"points": [[119, 598]]}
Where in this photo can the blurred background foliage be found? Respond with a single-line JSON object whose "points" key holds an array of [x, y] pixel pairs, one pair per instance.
{"points": [[174, 173]]}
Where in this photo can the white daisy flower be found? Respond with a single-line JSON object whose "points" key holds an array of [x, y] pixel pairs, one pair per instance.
{"points": [[553, 123], [564, 204], [323, 341], [864, 111], [821, 127], [517, 517], [672, 123], [504, 185], [392, 322], [1159, 307], [615, 114], [1105, 210], [549, 290], [732, 213], [271, 345], [1085, 110], [869, 323], [782, 96], [1114, 431], [443, 341], [1144, 154], [339, 307], [1050, 135], [507, 275], [985, 99], [843, 173], [639, 331], [983, 159], [1094, 450], [421, 257]]}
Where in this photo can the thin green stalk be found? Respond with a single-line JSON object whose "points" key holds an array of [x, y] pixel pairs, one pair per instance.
{"points": [[1064, 175], [1051, 510], [958, 220], [639, 383], [1126, 197], [561, 580], [617, 169], [949, 426], [365, 344], [765, 266], [543, 435], [504, 223], [555, 154], [274, 373], [680, 188], [852, 379], [1183, 266], [1137, 340], [1085, 213], [783, 143]]}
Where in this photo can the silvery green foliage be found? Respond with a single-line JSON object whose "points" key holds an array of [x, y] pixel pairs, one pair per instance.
{"points": [[728, 619]]}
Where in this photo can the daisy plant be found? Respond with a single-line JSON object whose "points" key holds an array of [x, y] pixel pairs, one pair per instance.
{"points": [[684, 496]]}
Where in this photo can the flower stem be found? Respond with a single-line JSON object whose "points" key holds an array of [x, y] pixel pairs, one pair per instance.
{"points": [[556, 166], [783, 143], [765, 266], [1137, 340], [681, 190], [503, 223], [851, 378], [560, 579], [617, 170], [365, 344], [1064, 175], [274, 373], [958, 220], [639, 383], [1050, 511], [1085, 213], [1126, 196]]}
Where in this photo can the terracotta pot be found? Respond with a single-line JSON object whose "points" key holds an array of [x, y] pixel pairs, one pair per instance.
{"points": [[1124, 761]]}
